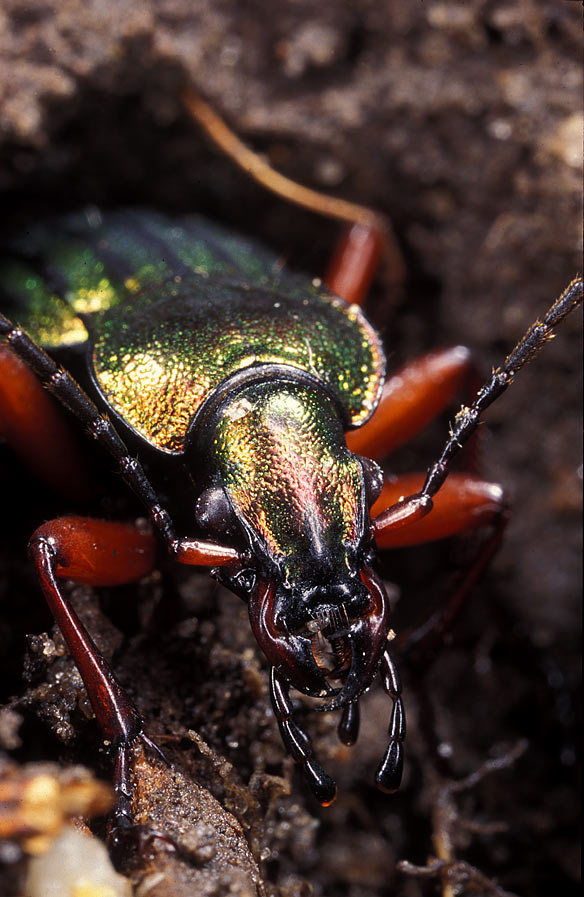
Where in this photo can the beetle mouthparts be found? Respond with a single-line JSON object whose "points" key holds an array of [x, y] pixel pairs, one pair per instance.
{"points": [[290, 654], [353, 670], [332, 653], [330, 646], [331, 620], [361, 649]]}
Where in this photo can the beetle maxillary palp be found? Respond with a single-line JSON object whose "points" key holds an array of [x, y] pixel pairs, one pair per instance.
{"points": [[389, 773], [297, 742], [348, 728]]}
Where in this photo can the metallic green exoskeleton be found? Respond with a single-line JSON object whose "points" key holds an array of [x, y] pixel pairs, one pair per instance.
{"points": [[205, 347], [173, 309]]}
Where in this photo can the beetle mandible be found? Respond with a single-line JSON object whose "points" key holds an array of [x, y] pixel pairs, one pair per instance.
{"points": [[274, 387]]}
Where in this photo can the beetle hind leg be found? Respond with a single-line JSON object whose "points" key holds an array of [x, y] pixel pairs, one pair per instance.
{"points": [[297, 742], [368, 237]]}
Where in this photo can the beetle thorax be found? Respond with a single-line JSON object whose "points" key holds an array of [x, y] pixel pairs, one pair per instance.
{"points": [[297, 491]]}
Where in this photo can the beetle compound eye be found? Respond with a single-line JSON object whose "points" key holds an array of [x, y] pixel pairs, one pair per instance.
{"points": [[373, 476], [213, 512]]}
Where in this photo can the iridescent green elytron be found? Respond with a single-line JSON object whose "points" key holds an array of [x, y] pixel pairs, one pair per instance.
{"points": [[280, 452], [172, 310], [156, 365]]}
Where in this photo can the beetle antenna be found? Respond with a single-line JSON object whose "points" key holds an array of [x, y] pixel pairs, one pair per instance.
{"points": [[413, 507], [467, 419]]}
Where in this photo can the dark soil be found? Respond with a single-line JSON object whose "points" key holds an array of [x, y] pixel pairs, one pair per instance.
{"points": [[462, 123]]}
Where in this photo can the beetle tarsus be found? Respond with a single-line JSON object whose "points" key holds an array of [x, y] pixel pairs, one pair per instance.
{"points": [[126, 838], [124, 835], [122, 817]]}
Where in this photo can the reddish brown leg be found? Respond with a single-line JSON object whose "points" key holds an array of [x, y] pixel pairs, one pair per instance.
{"points": [[35, 428], [411, 398], [369, 237], [100, 553], [354, 263], [464, 503]]}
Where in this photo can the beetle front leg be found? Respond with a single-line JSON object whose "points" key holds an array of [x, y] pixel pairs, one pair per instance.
{"points": [[297, 742], [99, 553], [389, 773]]}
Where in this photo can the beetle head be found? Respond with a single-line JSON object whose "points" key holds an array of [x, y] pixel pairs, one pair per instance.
{"points": [[334, 653], [285, 477]]}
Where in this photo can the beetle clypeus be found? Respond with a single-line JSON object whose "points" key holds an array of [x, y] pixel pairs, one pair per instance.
{"points": [[270, 391]]}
